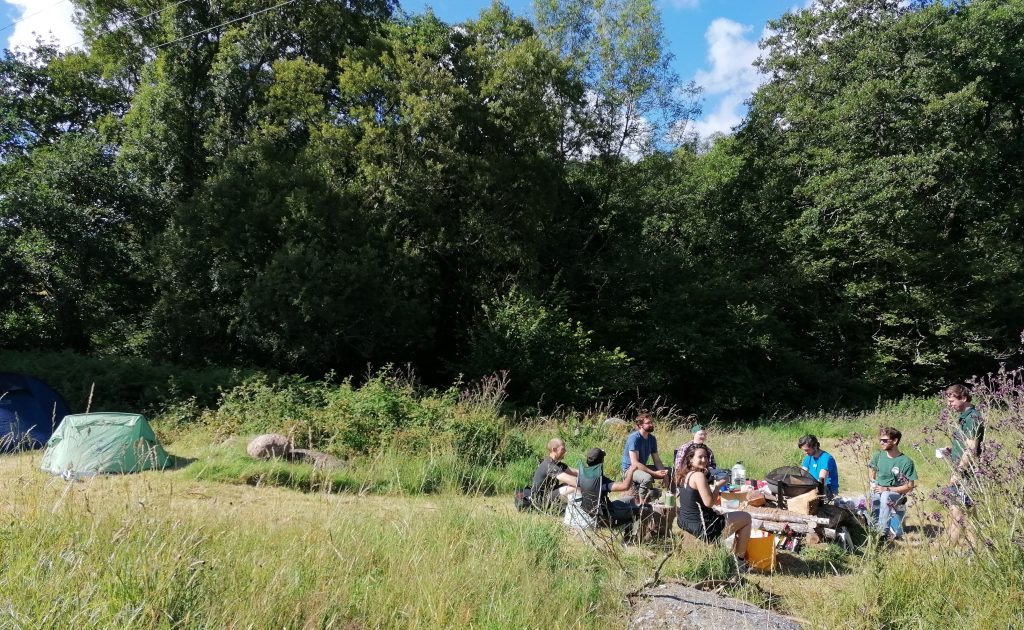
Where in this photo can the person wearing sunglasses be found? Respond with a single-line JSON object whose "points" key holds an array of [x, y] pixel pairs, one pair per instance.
{"points": [[892, 478]]}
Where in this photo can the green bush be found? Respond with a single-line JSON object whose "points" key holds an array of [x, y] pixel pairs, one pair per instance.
{"points": [[388, 412], [550, 356]]}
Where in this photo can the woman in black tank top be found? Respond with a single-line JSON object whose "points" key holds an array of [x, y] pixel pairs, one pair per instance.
{"points": [[696, 498]]}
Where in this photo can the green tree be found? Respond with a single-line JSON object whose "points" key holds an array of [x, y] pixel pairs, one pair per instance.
{"points": [[889, 138]]}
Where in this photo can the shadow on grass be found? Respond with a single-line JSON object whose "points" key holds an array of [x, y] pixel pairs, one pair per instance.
{"points": [[178, 463], [927, 532], [804, 565]]}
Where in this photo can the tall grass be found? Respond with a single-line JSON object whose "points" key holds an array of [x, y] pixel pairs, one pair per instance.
{"points": [[416, 528], [140, 552]]}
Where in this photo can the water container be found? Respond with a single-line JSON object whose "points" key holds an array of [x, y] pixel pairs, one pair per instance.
{"points": [[739, 474]]}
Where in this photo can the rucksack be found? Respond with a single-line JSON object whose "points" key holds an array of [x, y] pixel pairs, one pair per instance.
{"points": [[523, 498]]}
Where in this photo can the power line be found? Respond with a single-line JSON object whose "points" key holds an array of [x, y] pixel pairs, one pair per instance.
{"points": [[238, 19], [138, 19], [25, 17], [148, 15]]}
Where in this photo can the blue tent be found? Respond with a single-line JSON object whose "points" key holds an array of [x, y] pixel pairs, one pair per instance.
{"points": [[29, 412]]}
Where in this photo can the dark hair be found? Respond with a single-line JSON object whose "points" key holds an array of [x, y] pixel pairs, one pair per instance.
{"points": [[809, 440], [688, 455], [960, 391], [641, 417], [891, 433]]}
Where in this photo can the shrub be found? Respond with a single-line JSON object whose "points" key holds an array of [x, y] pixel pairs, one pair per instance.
{"points": [[551, 356]]}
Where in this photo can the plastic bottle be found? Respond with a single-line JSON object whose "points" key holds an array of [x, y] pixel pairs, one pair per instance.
{"points": [[739, 474]]}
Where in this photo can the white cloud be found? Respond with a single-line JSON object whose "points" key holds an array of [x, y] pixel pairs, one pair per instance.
{"points": [[42, 18], [732, 77]]}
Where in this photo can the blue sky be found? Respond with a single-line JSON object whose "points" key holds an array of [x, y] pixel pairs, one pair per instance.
{"points": [[714, 41]]}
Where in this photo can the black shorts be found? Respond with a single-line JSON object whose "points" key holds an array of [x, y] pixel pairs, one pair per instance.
{"points": [[709, 531]]}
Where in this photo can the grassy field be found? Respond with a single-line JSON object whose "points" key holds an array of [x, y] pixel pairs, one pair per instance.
{"points": [[425, 540]]}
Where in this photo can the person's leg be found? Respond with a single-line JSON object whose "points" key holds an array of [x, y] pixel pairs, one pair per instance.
{"points": [[565, 492], [642, 484], [738, 523], [881, 511], [959, 526], [887, 502], [621, 511]]}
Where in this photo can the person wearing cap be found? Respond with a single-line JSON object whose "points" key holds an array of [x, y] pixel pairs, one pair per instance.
{"points": [[618, 510], [641, 454], [700, 436]]}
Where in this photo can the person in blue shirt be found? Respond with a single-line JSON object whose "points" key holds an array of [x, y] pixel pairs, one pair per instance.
{"points": [[641, 454], [820, 464]]}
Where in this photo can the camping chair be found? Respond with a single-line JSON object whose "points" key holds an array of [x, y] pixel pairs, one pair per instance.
{"points": [[589, 508]]}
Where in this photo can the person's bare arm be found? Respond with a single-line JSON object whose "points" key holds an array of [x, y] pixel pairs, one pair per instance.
{"points": [[707, 493], [968, 456], [661, 470], [627, 480], [634, 459], [567, 479]]}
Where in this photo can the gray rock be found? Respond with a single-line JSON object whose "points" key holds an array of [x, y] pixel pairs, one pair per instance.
{"points": [[269, 446], [679, 606], [317, 458]]}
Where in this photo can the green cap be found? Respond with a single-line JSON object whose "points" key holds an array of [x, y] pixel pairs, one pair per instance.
{"points": [[696, 428]]}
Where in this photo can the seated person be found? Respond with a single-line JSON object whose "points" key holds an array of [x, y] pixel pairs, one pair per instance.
{"points": [[696, 498], [641, 454], [820, 464], [700, 436], [553, 481], [614, 510], [892, 478]]}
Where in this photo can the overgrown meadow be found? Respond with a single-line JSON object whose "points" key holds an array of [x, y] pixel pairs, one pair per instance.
{"points": [[417, 529]]}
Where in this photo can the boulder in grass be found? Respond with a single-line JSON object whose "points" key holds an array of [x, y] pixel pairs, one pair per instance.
{"points": [[319, 460], [269, 446]]}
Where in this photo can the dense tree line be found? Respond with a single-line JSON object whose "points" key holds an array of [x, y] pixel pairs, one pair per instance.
{"points": [[330, 184]]}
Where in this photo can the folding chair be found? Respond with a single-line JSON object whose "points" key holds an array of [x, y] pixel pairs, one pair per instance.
{"points": [[590, 508]]}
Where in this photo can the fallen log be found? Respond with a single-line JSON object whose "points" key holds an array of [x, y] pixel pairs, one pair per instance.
{"points": [[797, 528], [775, 527], [779, 516]]}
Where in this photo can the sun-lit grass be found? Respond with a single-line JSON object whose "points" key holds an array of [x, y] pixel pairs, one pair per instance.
{"points": [[156, 550], [415, 539]]}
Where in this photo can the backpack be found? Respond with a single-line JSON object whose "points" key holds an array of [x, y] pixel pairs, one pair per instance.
{"points": [[523, 498]]}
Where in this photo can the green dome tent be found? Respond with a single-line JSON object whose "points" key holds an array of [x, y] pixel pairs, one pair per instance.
{"points": [[97, 443]]}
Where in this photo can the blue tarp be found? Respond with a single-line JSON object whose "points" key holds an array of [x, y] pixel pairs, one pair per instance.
{"points": [[29, 411]]}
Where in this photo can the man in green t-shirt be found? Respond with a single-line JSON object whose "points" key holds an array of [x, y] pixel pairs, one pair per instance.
{"points": [[892, 478], [968, 431]]}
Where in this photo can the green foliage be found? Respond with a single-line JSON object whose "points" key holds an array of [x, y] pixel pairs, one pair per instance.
{"points": [[521, 335], [127, 384], [387, 412], [907, 146], [324, 185]]}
